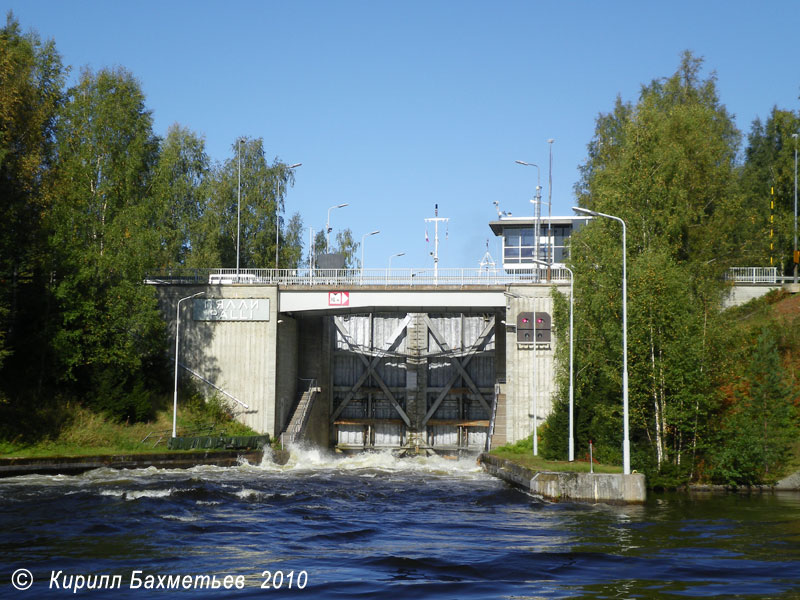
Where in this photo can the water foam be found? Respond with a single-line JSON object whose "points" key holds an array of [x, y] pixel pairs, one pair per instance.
{"points": [[136, 494], [303, 458]]}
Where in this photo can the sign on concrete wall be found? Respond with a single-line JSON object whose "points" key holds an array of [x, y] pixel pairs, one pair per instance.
{"points": [[231, 309], [338, 298]]}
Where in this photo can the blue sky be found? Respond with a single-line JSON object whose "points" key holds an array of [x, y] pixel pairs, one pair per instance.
{"points": [[395, 106]]}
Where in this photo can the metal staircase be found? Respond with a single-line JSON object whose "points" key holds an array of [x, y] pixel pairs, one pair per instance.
{"points": [[495, 439], [297, 424]]}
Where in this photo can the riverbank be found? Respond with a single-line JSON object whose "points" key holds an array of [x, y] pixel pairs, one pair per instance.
{"points": [[615, 488], [74, 465], [82, 432], [520, 469]]}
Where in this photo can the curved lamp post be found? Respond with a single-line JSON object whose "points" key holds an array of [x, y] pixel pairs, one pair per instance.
{"points": [[177, 342], [550, 244], [363, 237], [238, 200], [794, 135], [328, 226], [537, 208], [392, 256], [626, 442]]}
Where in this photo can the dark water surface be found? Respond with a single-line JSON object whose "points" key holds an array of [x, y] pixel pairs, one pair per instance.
{"points": [[375, 527]]}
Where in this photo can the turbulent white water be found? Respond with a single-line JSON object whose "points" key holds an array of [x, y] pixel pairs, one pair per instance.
{"points": [[372, 525], [306, 458], [126, 483]]}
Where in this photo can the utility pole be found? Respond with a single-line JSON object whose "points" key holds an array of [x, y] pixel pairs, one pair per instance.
{"points": [[796, 256], [550, 210], [436, 220], [537, 209], [238, 202]]}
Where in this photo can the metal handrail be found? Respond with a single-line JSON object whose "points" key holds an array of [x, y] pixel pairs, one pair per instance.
{"points": [[753, 275], [360, 277], [490, 433], [407, 277], [298, 421]]}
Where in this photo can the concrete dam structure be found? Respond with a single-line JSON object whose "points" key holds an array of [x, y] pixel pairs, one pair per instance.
{"points": [[439, 366]]}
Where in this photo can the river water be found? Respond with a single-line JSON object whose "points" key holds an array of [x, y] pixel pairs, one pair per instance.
{"points": [[372, 526]]}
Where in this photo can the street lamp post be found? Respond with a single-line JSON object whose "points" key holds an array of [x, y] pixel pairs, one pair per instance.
{"points": [[392, 256], [177, 340], [277, 217], [571, 357], [537, 208], [389, 272], [626, 443], [328, 226], [238, 201], [550, 205], [364, 237], [795, 257]]}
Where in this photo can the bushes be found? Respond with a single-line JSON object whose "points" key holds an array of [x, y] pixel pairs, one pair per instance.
{"points": [[755, 440]]}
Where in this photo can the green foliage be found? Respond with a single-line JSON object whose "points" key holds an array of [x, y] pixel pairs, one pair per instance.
{"points": [[669, 476], [255, 203], [123, 399], [291, 249], [104, 237], [523, 446], [31, 78], [767, 179], [200, 414], [553, 434], [343, 243], [758, 431], [92, 201], [666, 166], [179, 196]]}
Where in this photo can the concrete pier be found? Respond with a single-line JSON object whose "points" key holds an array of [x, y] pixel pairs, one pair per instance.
{"points": [[613, 488]]}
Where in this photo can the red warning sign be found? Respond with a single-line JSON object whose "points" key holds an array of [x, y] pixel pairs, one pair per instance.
{"points": [[338, 298]]}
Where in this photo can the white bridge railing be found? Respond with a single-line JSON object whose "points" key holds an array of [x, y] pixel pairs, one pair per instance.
{"points": [[745, 275], [409, 277], [360, 277]]}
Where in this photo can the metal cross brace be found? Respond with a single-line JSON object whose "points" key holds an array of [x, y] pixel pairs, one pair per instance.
{"points": [[394, 339], [483, 338]]}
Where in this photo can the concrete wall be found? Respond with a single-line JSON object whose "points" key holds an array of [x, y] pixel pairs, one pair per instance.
{"points": [[740, 294], [237, 356], [526, 367], [314, 362], [286, 373], [265, 363], [615, 488]]}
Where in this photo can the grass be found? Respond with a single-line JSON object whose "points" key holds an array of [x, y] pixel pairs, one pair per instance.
{"points": [[521, 453], [87, 433]]}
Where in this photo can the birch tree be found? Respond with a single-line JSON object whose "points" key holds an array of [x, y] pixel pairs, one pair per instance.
{"points": [[666, 165]]}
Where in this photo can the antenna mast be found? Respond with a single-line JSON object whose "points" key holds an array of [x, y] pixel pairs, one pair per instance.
{"points": [[435, 220], [487, 262]]}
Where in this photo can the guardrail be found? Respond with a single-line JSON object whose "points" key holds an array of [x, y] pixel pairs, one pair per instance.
{"points": [[768, 275], [359, 277], [410, 277]]}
